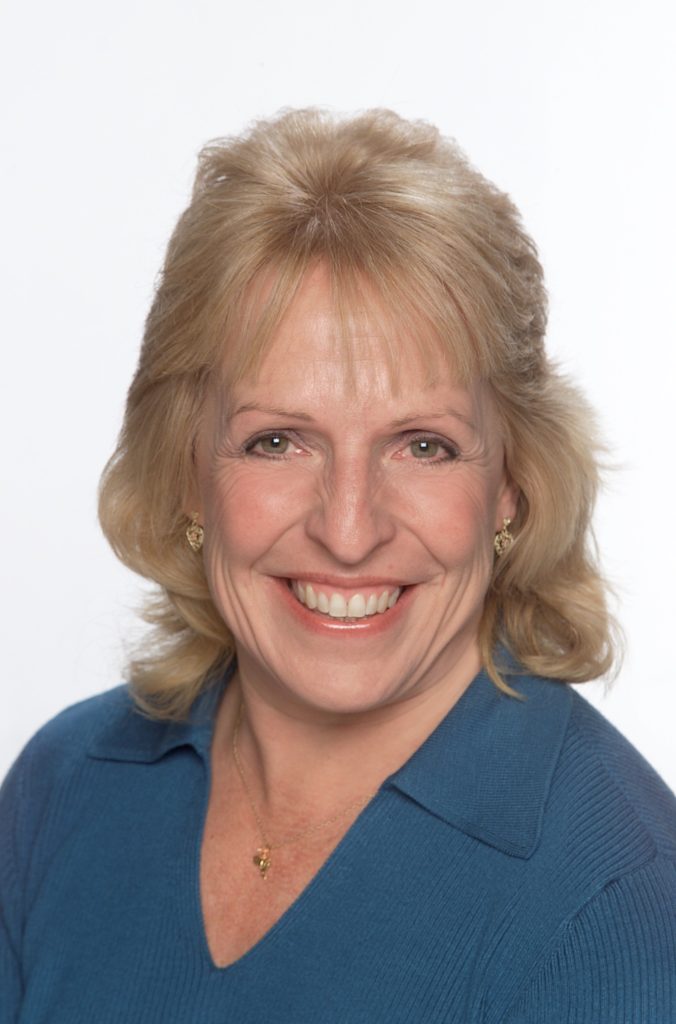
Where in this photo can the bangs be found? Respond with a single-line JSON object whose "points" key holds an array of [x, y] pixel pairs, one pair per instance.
{"points": [[402, 311]]}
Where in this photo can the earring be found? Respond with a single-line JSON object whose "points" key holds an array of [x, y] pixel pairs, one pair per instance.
{"points": [[195, 533], [504, 539]]}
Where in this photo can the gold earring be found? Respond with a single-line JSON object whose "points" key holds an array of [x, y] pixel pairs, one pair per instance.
{"points": [[195, 533], [504, 539]]}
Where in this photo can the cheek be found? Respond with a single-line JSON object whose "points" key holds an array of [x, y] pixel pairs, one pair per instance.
{"points": [[455, 518], [245, 510]]}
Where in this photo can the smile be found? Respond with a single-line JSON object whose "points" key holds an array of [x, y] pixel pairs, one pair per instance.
{"points": [[339, 606]]}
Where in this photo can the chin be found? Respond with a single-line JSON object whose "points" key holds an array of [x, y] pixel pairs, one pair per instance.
{"points": [[321, 684], [341, 694]]}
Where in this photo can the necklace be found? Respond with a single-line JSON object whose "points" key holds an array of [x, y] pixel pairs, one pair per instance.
{"points": [[263, 855]]}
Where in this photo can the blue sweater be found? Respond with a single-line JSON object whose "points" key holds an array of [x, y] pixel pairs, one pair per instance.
{"points": [[519, 868]]}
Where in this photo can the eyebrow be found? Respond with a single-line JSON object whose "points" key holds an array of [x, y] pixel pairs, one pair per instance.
{"points": [[412, 417], [293, 414], [399, 422]]}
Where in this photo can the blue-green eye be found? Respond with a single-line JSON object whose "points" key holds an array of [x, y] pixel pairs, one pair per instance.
{"points": [[424, 448]]}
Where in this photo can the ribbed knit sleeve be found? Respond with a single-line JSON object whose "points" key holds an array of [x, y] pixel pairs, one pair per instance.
{"points": [[615, 962], [10, 980], [10, 890]]}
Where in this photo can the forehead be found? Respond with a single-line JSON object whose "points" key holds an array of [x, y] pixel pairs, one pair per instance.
{"points": [[350, 366], [331, 340]]}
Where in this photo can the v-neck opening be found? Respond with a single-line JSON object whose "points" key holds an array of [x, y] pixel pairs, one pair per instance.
{"points": [[289, 915]]}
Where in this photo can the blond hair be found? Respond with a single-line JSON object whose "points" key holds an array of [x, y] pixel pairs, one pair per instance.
{"points": [[390, 206]]}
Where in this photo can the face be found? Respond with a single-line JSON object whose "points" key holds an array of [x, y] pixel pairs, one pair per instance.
{"points": [[349, 522]]}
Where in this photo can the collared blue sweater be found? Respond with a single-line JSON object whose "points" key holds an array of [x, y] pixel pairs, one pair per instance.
{"points": [[519, 868]]}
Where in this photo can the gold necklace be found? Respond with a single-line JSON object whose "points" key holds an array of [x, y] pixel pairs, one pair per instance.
{"points": [[263, 855]]}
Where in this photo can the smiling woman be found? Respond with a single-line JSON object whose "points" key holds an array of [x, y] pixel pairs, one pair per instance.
{"points": [[364, 494], [315, 491]]}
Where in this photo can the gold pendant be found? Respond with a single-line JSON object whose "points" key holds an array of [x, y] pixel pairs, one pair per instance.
{"points": [[262, 860]]}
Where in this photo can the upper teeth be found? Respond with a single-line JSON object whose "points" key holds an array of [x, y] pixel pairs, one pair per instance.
{"points": [[338, 607]]}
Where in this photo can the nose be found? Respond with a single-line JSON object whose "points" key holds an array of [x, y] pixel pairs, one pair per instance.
{"points": [[352, 516]]}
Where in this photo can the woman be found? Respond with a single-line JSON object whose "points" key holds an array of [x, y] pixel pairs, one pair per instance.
{"points": [[349, 782]]}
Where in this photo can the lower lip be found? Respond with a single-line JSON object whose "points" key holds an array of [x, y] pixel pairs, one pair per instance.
{"points": [[370, 625]]}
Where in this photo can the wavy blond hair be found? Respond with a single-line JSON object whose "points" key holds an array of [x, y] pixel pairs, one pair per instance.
{"points": [[396, 211]]}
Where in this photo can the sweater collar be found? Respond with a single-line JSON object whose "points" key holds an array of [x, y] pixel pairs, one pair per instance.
{"points": [[488, 766], [486, 769], [130, 735]]}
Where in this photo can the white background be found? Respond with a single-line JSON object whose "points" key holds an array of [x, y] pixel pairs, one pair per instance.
{"points": [[567, 106]]}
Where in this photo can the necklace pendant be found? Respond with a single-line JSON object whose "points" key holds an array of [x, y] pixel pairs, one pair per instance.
{"points": [[262, 860]]}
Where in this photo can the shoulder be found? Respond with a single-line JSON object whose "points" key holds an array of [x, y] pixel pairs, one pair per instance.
{"points": [[70, 732], [607, 812], [57, 752], [54, 772], [64, 741], [603, 884], [607, 776], [45, 790], [63, 765], [598, 811]]}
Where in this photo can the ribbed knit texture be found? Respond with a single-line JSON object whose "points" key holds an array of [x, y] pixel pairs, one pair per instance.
{"points": [[520, 868]]}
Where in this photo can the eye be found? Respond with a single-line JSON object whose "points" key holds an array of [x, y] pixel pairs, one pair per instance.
{"points": [[268, 445], [426, 448], [273, 444]]}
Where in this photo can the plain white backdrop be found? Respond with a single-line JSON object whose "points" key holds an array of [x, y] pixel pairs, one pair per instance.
{"points": [[568, 107]]}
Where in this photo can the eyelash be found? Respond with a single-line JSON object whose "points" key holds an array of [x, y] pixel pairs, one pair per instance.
{"points": [[249, 446], [450, 452]]}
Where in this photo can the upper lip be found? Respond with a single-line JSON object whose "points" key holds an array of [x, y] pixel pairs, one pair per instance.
{"points": [[346, 582]]}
